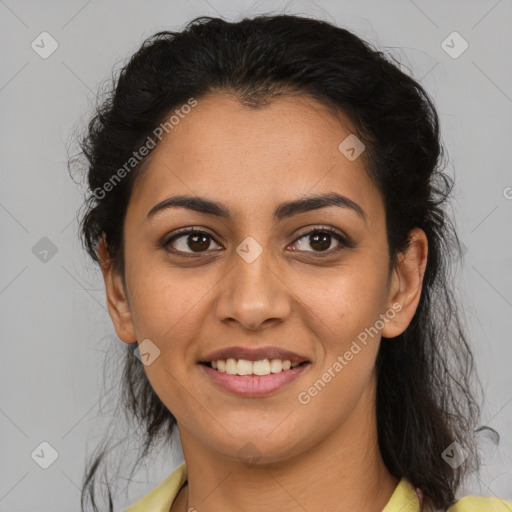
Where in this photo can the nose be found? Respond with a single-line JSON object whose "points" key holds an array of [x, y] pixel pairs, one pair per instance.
{"points": [[253, 294]]}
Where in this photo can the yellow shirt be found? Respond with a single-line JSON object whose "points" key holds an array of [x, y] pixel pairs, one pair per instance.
{"points": [[403, 499]]}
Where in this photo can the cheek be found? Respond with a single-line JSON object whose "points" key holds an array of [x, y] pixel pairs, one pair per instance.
{"points": [[165, 302], [343, 301], [347, 348], [166, 309], [343, 312]]}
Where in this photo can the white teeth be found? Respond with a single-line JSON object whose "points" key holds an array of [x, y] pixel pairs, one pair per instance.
{"points": [[231, 366], [276, 365], [245, 367], [261, 367]]}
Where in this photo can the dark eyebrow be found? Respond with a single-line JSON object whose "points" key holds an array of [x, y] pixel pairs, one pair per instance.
{"points": [[284, 210]]}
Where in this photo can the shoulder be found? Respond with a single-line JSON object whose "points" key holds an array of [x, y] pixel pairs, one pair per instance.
{"points": [[162, 497], [407, 498], [481, 504]]}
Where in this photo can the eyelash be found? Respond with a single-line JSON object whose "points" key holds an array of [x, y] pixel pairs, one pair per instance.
{"points": [[344, 243]]}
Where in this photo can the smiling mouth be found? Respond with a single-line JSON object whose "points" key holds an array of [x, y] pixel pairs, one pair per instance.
{"points": [[244, 367], [257, 377]]}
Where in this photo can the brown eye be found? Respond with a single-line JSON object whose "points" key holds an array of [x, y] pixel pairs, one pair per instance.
{"points": [[190, 241], [320, 240]]}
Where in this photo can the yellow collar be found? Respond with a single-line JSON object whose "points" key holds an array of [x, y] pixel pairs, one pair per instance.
{"points": [[403, 499], [160, 499]]}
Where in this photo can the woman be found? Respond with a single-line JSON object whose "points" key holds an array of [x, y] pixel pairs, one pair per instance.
{"points": [[267, 206]]}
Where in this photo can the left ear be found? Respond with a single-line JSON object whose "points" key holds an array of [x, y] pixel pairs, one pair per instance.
{"points": [[407, 283]]}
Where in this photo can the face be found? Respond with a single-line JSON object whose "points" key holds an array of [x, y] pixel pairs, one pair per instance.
{"points": [[261, 279]]}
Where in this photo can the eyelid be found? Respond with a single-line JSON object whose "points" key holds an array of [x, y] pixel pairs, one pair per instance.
{"points": [[181, 232], [323, 228], [343, 239]]}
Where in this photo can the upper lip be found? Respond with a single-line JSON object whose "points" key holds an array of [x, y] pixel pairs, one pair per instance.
{"points": [[254, 354]]}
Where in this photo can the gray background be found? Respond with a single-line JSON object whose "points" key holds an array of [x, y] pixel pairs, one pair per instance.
{"points": [[56, 331]]}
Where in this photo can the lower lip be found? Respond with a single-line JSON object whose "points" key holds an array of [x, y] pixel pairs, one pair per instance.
{"points": [[254, 385]]}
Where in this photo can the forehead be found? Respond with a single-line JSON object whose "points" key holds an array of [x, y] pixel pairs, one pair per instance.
{"points": [[248, 157]]}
